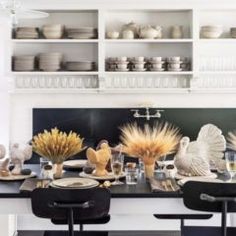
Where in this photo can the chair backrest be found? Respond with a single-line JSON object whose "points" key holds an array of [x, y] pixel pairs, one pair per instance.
{"points": [[45, 201], [192, 191]]}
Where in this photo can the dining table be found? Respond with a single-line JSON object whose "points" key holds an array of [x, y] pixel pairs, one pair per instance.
{"points": [[127, 202]]}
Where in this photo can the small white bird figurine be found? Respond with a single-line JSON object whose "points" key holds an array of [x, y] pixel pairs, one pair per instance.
{"points": [[18, 156], [194, 158]]}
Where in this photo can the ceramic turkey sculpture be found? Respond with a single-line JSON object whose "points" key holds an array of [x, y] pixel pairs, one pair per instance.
{"points": [[18, 156], [194, 158], [4, 163]]}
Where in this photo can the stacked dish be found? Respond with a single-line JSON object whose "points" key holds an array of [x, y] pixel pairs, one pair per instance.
{"points": [[82, 33], [157, 64], [174, 64], [53, 31], [211, 31], [50, 61], [27, 33], [80, 65], [24, 63], [139, 64], [233, 32], [122, 64]]}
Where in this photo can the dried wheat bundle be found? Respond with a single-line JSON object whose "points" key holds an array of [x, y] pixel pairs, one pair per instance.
{"points": [[56, 145], [150, 142], [232, 140]]}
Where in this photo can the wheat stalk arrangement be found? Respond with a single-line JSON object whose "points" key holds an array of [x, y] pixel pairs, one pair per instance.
{"points": [[232, 140], [149, 142], [56, 145]]}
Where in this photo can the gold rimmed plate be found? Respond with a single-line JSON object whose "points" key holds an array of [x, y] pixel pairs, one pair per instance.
{"points": [[17, 177], [74, 183], [109, 176]]}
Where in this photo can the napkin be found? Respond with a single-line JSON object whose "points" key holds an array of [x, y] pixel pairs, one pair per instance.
{"points": [[163, 185], [30, 184]]}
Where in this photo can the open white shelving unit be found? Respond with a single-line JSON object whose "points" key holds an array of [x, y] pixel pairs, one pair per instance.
{"points": [[212, 60]]}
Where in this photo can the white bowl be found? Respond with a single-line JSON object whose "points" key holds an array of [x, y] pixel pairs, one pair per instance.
{"points": [[52, 34], [211, 28], [53, 27], [211, 34]]}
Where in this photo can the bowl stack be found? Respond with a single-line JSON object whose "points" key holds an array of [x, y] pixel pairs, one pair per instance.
{"points": [[233, 32], [53, 31], [26, 33], [82, 33], [157, 64], [80, 66], [211, 31], [24, 63], [50, 61], [174, 64]]}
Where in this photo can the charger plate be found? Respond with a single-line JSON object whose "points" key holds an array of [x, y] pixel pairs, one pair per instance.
{"points": [[74, 183], [109, 176], [17, 177]]}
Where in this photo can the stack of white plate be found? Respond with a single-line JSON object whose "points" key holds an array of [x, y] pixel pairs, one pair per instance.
{"points": [[50, 61], [80, 65], [74, 183], [53, 31], [82, 33], [24, 63], [27, 33]]}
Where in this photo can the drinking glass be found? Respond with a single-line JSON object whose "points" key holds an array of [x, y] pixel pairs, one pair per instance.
{"points": [[117, 162], [230, 158], [131, 175]]}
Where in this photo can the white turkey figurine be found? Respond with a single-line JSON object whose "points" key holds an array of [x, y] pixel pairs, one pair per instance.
{"points": [[194, 158], [18, 156], [4, 163]]}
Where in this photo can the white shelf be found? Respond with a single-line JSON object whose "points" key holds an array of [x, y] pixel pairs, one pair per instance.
{"points": [[217, 72], [213, 90], [128, 91], [148, 40], [55, 40], [55, 73], [107, 91], [54, 91], [149, 73], [219, 40], [148, 91]]}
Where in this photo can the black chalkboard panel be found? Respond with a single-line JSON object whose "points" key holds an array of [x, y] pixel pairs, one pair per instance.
{"points": [[95, 124]]}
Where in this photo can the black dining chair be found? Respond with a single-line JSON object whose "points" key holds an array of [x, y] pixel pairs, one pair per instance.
{"points": [[210, 197], [72, 206]]}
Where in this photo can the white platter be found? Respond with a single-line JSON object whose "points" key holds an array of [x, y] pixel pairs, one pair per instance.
{"points": [[110, 176], [17, 177], [74, 183], [75, 164]]}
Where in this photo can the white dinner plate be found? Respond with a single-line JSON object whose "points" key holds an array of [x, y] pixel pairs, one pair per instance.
{"points": [[75, 164], [109, 176], [71, 183], [17, 177]]}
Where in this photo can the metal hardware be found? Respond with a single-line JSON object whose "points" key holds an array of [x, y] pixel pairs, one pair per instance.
{"points": [[147, 114]]}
